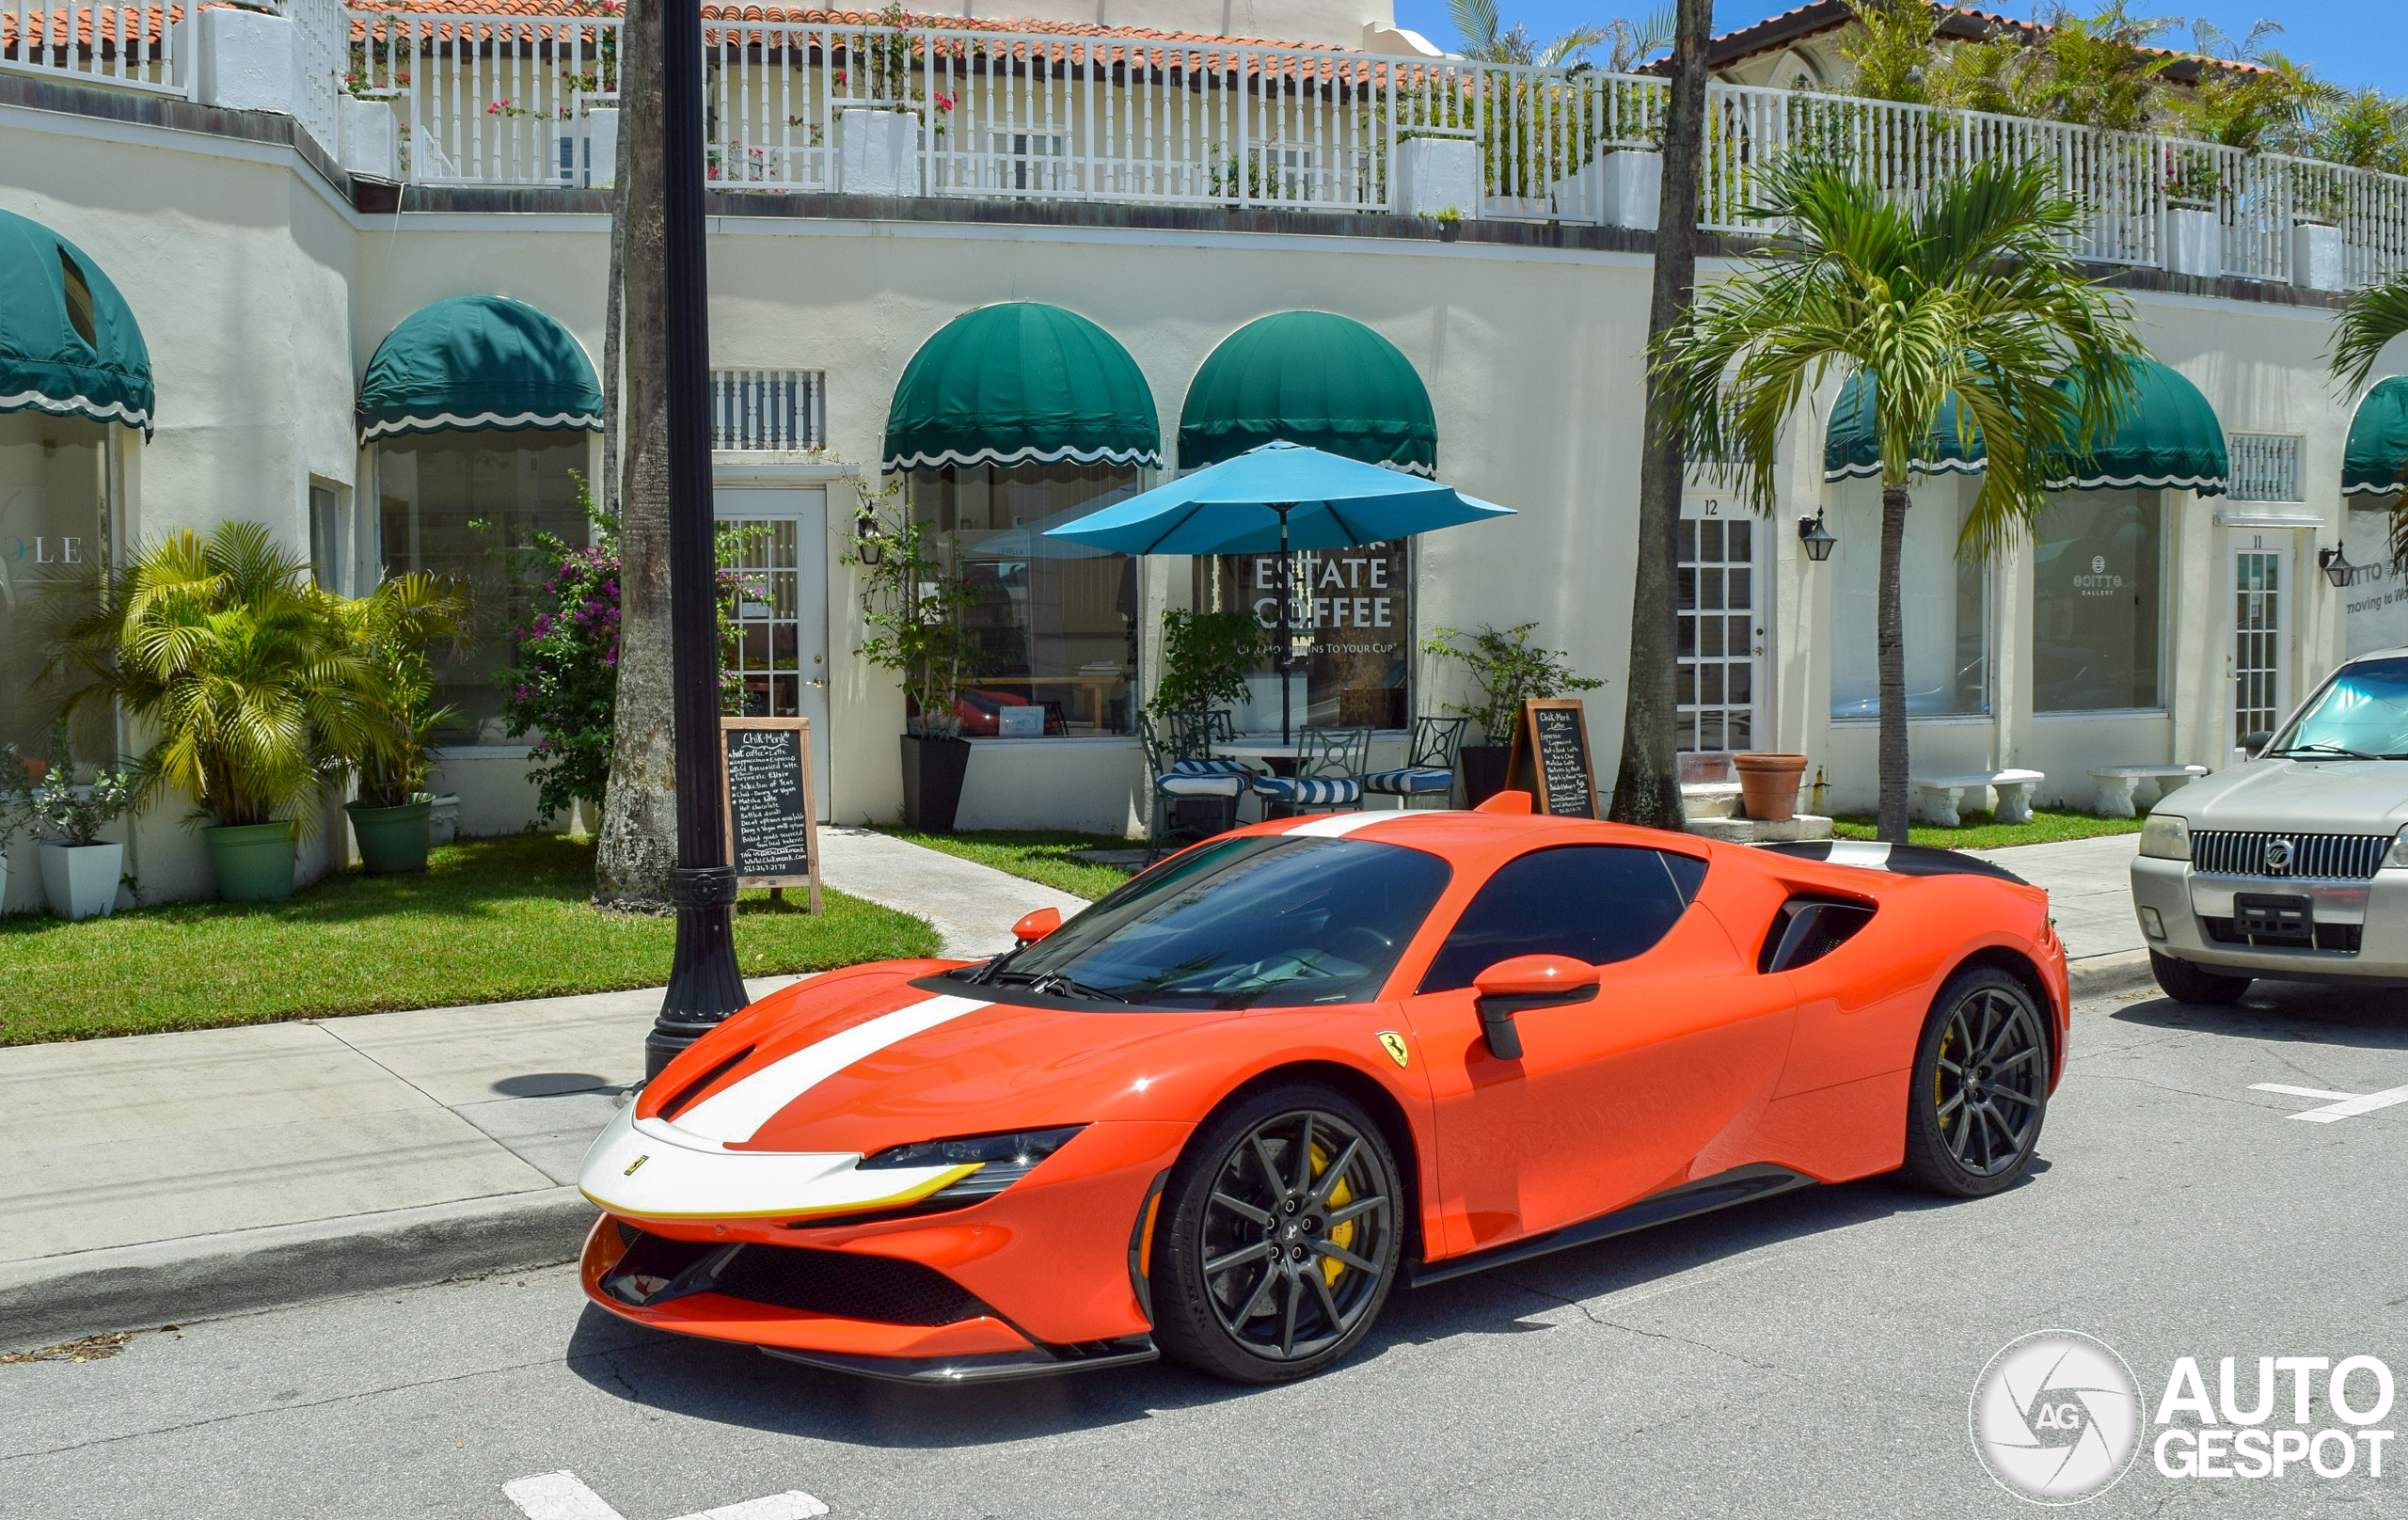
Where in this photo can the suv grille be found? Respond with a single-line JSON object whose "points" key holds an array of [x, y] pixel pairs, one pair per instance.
{"points": [[875, 1288], [2326, 857]]}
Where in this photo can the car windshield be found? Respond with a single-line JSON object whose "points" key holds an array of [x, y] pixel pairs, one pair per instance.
{"points": [[1260, 920], [2362, 713]]}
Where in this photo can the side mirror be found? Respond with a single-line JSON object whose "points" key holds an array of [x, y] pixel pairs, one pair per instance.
{"points": [[1036, 926], [2252, 743], [1508, 987]]}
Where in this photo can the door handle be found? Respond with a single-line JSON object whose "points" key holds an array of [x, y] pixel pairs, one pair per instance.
{"points": [[818, 685]]}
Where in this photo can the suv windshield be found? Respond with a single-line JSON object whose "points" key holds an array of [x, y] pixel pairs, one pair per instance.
{"points": [[1262, 920], [2362, 713]]}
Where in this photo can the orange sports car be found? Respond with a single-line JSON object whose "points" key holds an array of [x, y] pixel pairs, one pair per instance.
{"points": [[1224, 1110]]}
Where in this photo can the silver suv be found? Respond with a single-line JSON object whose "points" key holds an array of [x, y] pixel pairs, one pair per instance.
{"points": [[2292, 865]]}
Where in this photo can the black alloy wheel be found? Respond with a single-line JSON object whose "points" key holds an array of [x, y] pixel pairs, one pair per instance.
{"points": [[1980, 1088], [1280, 1240]]}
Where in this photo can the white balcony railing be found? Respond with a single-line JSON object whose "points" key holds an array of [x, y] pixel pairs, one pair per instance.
{"points": [[137, 47]]}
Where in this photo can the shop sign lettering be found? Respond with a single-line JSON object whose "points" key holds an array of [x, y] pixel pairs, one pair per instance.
{"points": [[1338, 591], [2100, 582]]}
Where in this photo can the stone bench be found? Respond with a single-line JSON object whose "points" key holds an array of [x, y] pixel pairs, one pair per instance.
{"points": [[2117, 784], [1939, 796]]}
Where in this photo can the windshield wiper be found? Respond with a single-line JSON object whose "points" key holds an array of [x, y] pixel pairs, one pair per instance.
{"points": [[1055, 984], [2321, 748]]}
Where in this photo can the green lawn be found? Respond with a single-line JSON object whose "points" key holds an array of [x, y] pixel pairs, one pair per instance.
{"points": [[1980, 831], [492, 919], [1040, 855]]}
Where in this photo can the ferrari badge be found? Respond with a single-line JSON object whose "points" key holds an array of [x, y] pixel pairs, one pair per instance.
{"points": [[640, 1161], [1393, 1043]]}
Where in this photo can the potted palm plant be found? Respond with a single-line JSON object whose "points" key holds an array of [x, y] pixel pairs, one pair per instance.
{"points": [[1505, 672], [392, 818], [911, 601], [79, 870], [245, 675]]}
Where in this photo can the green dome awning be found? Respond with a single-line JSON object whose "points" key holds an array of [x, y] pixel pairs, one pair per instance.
{"points": [[2377, 454], [2167, 436], [475, 362], [69, 345], [1314, 378], [1021, 383], [1852, 444]]}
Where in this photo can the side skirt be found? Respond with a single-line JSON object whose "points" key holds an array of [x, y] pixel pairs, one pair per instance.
{"points": [[1741, 1184]]}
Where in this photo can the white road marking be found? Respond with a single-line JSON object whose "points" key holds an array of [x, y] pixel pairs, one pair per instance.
{"points": [[557, 1496], [794, 1504], [560, 1496], [2339, 1106]]}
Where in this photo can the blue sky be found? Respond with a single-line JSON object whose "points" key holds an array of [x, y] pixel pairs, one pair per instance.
{"points": [[2351, 42]]}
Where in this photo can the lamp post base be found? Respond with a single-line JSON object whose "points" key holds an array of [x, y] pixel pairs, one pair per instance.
{"points": [[705, 985]]}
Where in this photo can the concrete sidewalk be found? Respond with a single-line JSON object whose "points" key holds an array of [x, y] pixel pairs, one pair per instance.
{"points": [[169, 1176], [2090, 895]]}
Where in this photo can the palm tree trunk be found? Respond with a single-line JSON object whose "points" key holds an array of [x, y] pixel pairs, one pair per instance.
{"points": [[614, 305], [1890, 646], [638, 841], [1647, 785]]}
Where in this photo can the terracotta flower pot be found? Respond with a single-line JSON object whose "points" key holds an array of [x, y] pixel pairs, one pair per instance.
{"points": [[1769, 785]]}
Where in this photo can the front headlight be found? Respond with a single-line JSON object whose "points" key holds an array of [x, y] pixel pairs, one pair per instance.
{"points": [[2167, 836], [2398, 853], [1000, 1159]]}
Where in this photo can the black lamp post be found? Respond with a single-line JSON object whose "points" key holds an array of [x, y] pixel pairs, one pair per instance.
{"points": [[704, 983], [1814, 538], [2337, 566]]}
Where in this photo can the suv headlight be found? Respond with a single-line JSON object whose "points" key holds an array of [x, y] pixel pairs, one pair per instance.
{"points": [[2167, 836], [2398, 853], [1000, 1159]]}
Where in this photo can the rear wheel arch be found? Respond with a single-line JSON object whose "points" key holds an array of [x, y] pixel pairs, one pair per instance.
{"points": [[2019, 966]]}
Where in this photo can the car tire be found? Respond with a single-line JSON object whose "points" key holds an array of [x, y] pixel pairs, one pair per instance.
{"points": [[1980, 1087], [1265, 1270], [2186, 983]]}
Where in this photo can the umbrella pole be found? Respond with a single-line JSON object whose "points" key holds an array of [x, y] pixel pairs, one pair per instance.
{"points": [[1286, 597]]}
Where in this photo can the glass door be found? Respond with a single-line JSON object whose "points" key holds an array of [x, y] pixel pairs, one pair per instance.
{"points": [[1719, 638], [781, 654], [2259, 660]]}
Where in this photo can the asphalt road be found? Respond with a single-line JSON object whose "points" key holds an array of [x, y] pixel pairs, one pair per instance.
{"points": [[1813, 1354]]}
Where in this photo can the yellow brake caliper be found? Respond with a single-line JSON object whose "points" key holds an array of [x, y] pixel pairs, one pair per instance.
{"points": [[1946, 1041], [1341, 1236]]}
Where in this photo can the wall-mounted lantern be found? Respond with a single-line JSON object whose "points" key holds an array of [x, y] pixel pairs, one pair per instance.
{"points": [[1814, 538]]}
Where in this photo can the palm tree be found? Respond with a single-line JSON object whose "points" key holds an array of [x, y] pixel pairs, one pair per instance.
{"points": [[638, 844], [2373, 318], [1486, 40], [1965, 304], [1647, 779]]}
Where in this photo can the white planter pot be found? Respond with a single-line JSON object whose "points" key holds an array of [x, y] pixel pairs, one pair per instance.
{"points": [[368, 137], [874, 153], [81, 881], [1435, 174], [2192, 246], [443, 820], [1619, 189], [602, 146], [2316, 257], [247, 61]]}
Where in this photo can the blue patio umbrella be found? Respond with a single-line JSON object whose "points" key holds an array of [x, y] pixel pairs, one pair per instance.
{"points": [[1277, 499]]}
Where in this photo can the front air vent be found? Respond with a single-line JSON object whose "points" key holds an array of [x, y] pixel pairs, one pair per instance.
{"points": [[849, 1286], [1807, 928], [684, 1098]]}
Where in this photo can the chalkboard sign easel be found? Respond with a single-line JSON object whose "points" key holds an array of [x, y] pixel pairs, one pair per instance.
{"points": [[1550, 757], [766, 796]]}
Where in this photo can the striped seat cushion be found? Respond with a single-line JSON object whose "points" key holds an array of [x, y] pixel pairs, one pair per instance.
{"points": [[1308, 791], [1412, 780], [1177, 783], [1211, 766]]}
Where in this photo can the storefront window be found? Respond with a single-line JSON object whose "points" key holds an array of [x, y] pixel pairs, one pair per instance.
{"points": [[1352, 625], [2096, 570], [431, 489], [1943, 604], [1055, 629], [54, 535]]}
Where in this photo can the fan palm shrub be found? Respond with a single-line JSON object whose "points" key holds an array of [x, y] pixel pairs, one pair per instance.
{"points": [[2375, 316], [1964, 303]]}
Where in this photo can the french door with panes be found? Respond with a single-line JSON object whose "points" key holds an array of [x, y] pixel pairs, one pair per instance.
{"points": [[2260, 658], [1721, 635], [780, 653]]}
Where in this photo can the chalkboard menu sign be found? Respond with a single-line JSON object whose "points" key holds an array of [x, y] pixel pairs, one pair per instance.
{"points": [[765, 777], [1550, 757]]}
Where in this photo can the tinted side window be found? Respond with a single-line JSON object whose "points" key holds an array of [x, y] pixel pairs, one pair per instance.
{"points": [[1597, 903]]}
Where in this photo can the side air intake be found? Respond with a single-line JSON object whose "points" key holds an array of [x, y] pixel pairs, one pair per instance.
{"points": [[1808, 928]]}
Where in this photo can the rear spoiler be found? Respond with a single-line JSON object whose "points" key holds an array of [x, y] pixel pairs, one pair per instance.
{"points": [[1898, 859]]}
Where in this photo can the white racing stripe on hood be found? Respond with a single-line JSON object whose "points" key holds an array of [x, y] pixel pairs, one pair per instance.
{"points": [[735, 1115], [1871, 855]]}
